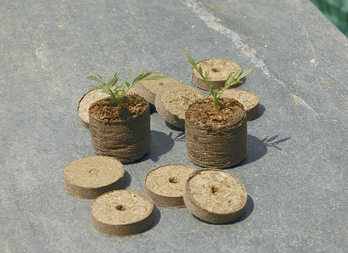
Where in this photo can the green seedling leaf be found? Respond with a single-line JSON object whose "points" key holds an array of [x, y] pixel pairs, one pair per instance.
{"points": [[118, 92], [130, 75], [141, 70], [245, 73], [94, 78]]}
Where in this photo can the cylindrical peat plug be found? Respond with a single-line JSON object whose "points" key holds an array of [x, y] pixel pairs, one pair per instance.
{"points": [[87, 100], [172, 101], [215, 196], [89, 177], [122, 132], [122, 213], [216, 139], [165, 184], [249, 100], [218, 72]]}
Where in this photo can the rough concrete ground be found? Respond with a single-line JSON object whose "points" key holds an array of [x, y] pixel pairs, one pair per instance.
{"points": [[296, 168]]}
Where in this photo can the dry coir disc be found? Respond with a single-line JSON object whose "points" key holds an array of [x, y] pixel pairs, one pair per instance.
{"points": [[172, 101], [249, 100], [122, 213], [165, 184], [215, 196], [89, 177], [218, 72], [148, 89], [87, 100]]}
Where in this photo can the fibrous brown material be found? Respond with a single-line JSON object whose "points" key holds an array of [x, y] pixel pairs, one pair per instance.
{"points": [[165, 184], [218, 72], [87, 100], [249, 100], [121, 132], [89, 177], [215, 196], [122, 213], [148, 89], [216, 139], [172, 101]]}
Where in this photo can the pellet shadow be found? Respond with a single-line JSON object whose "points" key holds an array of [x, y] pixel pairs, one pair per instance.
{"points": [[156, 219], [161, 144], [127, 178], [257, 148]]}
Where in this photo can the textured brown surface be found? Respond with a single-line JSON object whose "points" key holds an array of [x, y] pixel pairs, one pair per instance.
{"points": [[218, 72], [127, 140], [148, 89], [172, 101], [122, 213], [89, 177], [87, 100], [165, 184], [216, 139], [215, 196], [249, 100]]}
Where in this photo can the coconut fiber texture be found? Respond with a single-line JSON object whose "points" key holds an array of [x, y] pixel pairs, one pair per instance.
{"points": [[216, 139], [173, 100], [122, 213], [126, 136], [89, 177], [215, 196], [165, 184]]}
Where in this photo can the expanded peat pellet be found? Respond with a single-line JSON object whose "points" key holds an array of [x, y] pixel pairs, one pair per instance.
{"points": [[249, 100], [89, 177], [165, 184], [122, 213], [87, 100], [215, 196]]}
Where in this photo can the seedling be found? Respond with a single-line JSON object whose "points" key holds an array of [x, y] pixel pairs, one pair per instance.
{"points": [[232, 79], [118, 92]]}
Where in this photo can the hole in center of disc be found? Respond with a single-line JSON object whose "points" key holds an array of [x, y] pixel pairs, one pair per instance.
{"points": [[214, 190], [215, 70], [120, 207], [173, 180], [93, 171]]}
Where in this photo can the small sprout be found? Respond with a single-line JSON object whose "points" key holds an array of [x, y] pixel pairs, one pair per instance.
{"points": [[232, 79], [118, 92]]}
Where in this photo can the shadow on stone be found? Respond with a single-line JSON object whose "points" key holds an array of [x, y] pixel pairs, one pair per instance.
{"points": [[127, 180], [258, 148], [161, 144], [157, 218]]}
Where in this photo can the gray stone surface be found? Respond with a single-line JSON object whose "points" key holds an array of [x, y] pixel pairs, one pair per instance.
{"points": [[296, 169]]}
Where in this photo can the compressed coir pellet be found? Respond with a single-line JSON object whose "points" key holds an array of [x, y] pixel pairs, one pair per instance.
{"points": [[249, 100], [216, 139], [89, 98], [218, 72], [172, 101], [122, 213], [165, 184], [89, 177], [215, 196], [148, 89], [121, 131]]}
